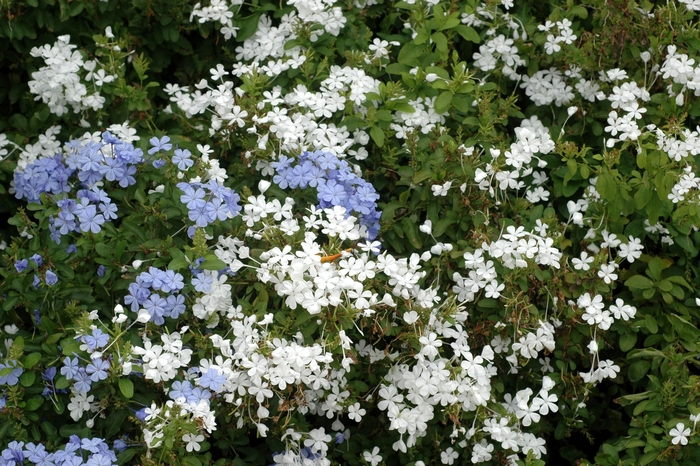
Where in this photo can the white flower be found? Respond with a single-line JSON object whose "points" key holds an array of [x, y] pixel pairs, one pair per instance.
{"points": [[607, 272], [582, 263], [193, 441], [374, 457], [680, 434], [448, 456]]}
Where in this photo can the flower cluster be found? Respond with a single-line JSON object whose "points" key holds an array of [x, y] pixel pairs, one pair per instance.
{"points": [[61, 83], [145, 295], [85, 164], [85, 451], [336, 185], [209, 202]]}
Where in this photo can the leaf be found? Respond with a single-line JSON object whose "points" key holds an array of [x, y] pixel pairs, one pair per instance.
{"points": [[442, 103], [27, 379], [126, 386], [410, 227], [468, 33], [637, 370], [638, 282], [440, 41], [212, 263], [377, 135], [410, 53], [627, 341], [31, 360], [656, 266], [642, 197]]}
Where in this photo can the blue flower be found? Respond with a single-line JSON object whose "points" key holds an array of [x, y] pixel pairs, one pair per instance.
{"points": [[72, 248], [216, 209], [198, 394], [10, 372], [180, 390], [109, 210], [14, 452], [120, 445], [70, 367], [213, 379], [192, 198], [202, 282], [37, 317], [159, 144], [51, 278], [21, 264], [36, 258], [97, 340], [36, 281], [98, 369], [182, 159], [90, 220], [83, 382], [173, 280], [176, 306], [101, 271], [141, 414], [155, 305]]}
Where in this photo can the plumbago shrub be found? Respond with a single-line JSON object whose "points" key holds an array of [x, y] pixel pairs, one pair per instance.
{"points": [[369, 233]]}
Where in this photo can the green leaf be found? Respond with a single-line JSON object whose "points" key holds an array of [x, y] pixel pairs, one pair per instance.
{"points": [[212, 263], [411, 229], [638, 282], [579, 11], [27, 379], [34, 403], [440, 41], [377, 135], [627, 341], [468, 33], [31, 360], [442, 103], [126, 386], [656, 266], [638, 369], [642, 197], [450, 23]]}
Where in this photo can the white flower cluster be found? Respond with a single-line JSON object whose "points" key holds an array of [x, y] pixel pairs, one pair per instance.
{"points": [[218, 11], [531, 138], [62, 82], [307, 278], [160, 363], [499, 48], [423, 119], [500, 51], [411, 392], [158, 418], [548, 86], [528, 411], [292, 120], [565, 35], [680, 68]]}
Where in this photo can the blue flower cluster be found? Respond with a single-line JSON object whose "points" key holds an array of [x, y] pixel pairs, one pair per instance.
{"points": [[143, 293], [49, 276], [208, 202], [336, 185], [96, 370], [111, 160], [77, 452], [192, 395]]}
